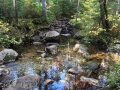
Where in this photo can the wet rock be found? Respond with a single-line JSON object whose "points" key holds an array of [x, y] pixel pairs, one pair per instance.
{"points": [[37, 43], [40, 51], [69, 77], [76, 47], [51, 34], [14, 88], [66, 35], [36, 38], [52, 49], [58, 29], [66, 63], [48, 81], [114, 48], [43, 55], [49, 44], [73, 71], [56, 76], [4, 71], [8, 55], [93, 66], [89, 80], [86, 56], [28, 82], [82, 49]]}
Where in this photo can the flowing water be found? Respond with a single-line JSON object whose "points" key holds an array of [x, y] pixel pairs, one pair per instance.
{"points": [[54, 67]]}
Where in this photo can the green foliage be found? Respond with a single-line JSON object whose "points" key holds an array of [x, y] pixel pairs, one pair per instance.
{"points": [[29, 9], [63, 8], [89, 20], [114, 76], [26, 26], [8, 35]]}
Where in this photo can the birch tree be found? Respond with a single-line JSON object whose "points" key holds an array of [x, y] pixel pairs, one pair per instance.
{"points": [[77, 10], [16, 11], [44, 9]]}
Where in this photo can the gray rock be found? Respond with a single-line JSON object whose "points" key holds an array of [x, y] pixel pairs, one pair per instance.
{"points": [[52, 49], [114, 48], [37, 43], [8, 55], [56, 77], [73, 71], [93, 66], [58, 29], [4, 71], [66, 35], [43, 55], [51, 34], [28, 82], [69, 77], [36, 38], [40, 51], [89, 80]]}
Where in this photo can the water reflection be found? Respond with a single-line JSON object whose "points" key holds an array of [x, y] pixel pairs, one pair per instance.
{"points": [[50, 69]]}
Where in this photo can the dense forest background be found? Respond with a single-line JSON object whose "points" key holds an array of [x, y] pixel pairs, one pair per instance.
{"points": [[98, 19]]}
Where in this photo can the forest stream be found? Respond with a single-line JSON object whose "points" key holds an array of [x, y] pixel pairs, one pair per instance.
{"points": [[61, 71], [57, 61]]}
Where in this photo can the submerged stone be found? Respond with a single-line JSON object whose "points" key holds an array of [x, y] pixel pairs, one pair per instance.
{"points": [[28, 82], [93, 66], [4, 71]]}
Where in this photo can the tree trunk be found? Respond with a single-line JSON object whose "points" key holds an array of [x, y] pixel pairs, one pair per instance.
{"points": [[104, 14], [118, 8], [16, 11], [77, 10], [44, 11]]}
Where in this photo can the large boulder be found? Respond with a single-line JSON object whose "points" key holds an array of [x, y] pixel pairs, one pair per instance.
{"points": [[28, 82], [7, 55], [51, 34]]}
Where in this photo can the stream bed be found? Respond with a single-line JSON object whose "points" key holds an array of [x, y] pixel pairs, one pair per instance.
{"points": [[61, 71]]}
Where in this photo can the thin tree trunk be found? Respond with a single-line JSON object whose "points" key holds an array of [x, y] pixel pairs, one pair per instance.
{"points": [[3, 8], [16, 11], [104, 14], [77, 9], [118, 8], [44, 10]]}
